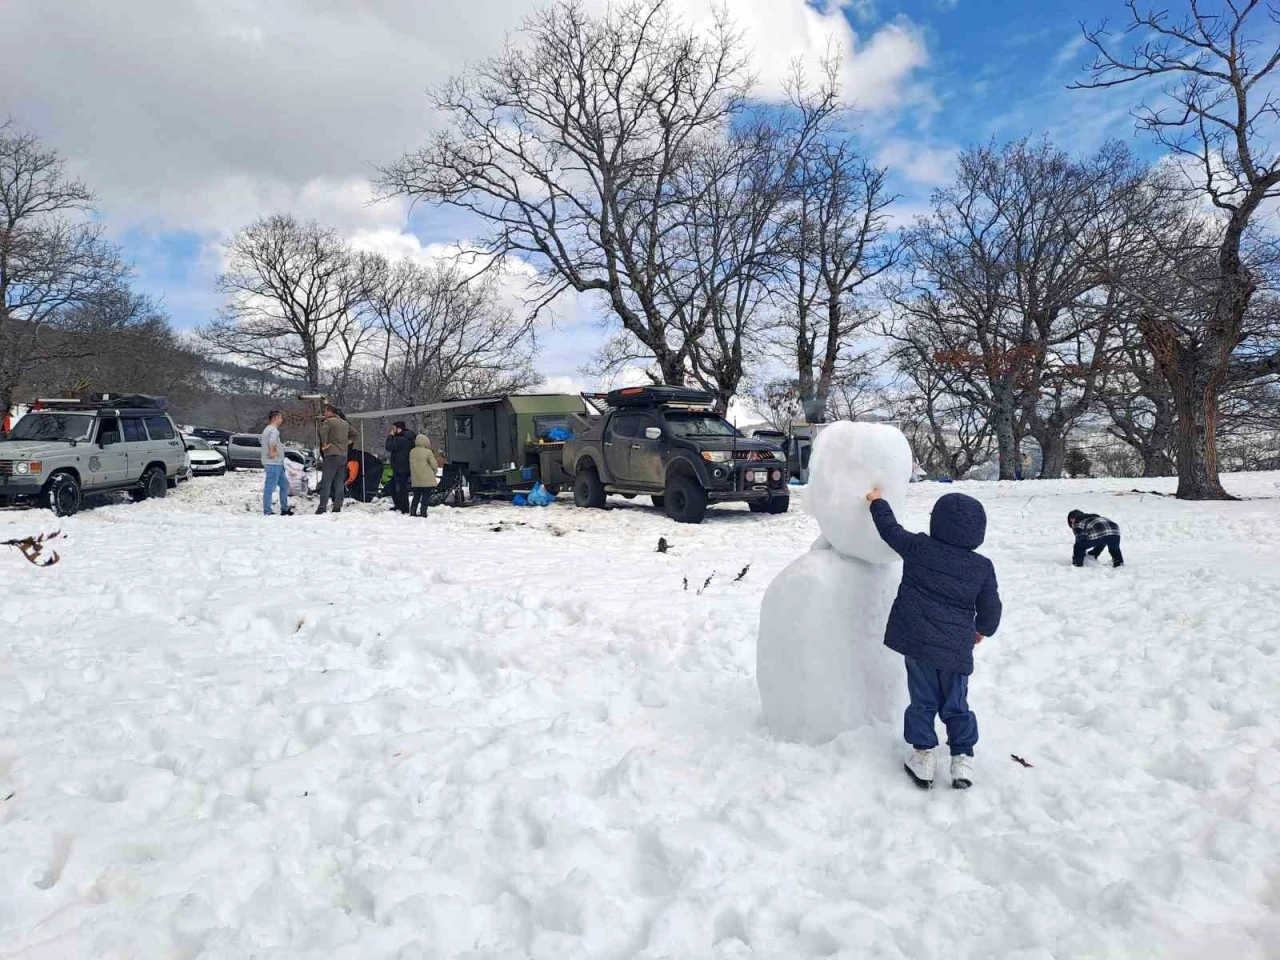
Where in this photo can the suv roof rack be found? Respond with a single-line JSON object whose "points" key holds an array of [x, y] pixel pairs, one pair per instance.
{"points": [[106, 401]]}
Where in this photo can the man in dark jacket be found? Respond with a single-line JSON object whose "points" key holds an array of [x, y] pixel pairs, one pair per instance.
{"points": [[948, 602], [1093, 534], [399, 446]]}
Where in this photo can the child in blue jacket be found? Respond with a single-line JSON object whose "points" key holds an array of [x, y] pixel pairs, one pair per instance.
{"points": [[947, 603]]}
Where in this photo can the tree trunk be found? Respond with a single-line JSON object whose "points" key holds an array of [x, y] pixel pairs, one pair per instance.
{"points": [[1006, 443], [1196, 404], [1053, 455], [1156, 463]]}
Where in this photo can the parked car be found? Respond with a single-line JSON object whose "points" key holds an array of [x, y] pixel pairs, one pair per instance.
{"points": [[243, 450], [204, 460], [668, 443], [103, 444]]}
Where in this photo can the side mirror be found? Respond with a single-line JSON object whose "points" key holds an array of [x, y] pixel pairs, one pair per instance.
{"points": [[653, 433]]}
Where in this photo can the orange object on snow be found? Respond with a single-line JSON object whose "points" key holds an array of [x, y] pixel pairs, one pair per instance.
{"points": [[353, 471]]}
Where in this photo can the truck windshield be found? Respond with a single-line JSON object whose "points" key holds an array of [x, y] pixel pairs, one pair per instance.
{"points": [[699, 425], [53, 426]]}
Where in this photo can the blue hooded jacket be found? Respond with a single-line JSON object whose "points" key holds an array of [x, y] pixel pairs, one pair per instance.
{"points": [[948, 592]]}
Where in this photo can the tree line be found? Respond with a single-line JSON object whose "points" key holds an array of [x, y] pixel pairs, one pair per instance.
{"points": [[625, 156]]}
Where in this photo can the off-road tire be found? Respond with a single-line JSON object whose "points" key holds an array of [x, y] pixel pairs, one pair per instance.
{"points": [[659, 502], [685, 501], [778, 505], [64, 495], [758, 506], [588, 491], [154, 485]]}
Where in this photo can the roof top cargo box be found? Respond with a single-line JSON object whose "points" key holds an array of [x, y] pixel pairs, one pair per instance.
{"points": [[654, 396]]}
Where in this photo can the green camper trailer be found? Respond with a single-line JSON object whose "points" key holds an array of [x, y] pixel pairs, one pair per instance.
{"points": [[497, 445]]}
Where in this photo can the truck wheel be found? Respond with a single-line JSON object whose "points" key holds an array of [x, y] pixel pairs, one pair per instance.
{"points": [[758, 506], [779, 505], [588, 491], [685, 500], [64, 495], [154, 485], [659, 502]]}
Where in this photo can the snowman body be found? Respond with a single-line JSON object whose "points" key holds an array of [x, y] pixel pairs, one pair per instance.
{"points": [[821, 664]]}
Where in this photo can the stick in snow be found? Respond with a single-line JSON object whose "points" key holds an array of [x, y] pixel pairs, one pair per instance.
{"points": [[686, 584], [742, 574], [1018, 759], [33, 548], [707, 583]]}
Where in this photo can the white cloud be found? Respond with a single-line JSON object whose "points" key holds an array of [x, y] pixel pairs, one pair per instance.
{"points": [[220, 110], [1070, 51], [918, 162]]}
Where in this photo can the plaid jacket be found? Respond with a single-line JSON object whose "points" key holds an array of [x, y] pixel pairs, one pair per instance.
{"points": [[1092, 527]]}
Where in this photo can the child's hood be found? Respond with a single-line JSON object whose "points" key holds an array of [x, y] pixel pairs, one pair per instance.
{"points": [[958, 520]]}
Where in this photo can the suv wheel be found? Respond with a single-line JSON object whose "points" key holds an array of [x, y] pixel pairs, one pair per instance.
{"points": [[779, 505], [685, 500], [64, 494], [154, 485], [659, 502], [588, 491], [759, 506]]}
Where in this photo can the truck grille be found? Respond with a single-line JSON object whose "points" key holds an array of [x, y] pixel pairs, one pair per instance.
{"points": [[6, 468], [751, 455]]}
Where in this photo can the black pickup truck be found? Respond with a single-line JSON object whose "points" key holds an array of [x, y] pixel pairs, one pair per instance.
{"points": [[666, 442]]}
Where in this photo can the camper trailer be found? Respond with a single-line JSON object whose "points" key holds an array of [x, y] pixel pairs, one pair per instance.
{"points": [[492, 445]]}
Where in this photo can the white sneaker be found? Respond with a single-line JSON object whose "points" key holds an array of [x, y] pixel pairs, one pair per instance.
{"points": [[961, 771], [919, 766]]}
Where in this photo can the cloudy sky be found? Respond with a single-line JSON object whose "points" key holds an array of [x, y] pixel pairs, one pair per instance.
{"points": [[191, 117]]}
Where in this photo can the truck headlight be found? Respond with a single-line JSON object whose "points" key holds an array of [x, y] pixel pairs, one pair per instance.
{"points": [[717, 456], [22, 468]]}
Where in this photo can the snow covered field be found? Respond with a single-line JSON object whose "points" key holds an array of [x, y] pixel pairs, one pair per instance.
{"points": [[505, 733]]}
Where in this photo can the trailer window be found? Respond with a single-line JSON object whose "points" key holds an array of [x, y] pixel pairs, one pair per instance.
{"points": [[462, 426], [542, 426]]}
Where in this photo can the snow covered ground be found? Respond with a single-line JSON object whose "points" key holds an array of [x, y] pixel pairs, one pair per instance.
{"points": [[506, 733]]}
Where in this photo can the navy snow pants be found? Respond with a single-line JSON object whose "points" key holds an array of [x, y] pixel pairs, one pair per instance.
{"points": [[938, 693]]}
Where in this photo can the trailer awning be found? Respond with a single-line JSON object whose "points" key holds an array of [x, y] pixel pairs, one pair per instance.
{"points": [[425, 408]]}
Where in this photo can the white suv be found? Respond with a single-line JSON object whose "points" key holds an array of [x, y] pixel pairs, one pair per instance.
{"points": [[54, 455]]}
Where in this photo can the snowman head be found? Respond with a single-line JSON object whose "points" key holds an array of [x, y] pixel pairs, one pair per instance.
{"points": [[848, 460]]}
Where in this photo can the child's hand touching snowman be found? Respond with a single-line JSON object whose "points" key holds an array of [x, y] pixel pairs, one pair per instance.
{"points": [[874, 495]]}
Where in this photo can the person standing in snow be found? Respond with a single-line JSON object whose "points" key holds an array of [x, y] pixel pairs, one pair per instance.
{"points": [[334, 433], [947, 603], [1094, 533], [272, 454], [399, 445], [422, 474]]}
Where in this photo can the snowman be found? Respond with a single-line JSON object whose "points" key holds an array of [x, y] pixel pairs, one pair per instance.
{"points": [[821, 664]]}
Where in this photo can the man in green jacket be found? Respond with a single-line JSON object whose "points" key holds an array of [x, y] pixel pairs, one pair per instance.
{"points": [[334, 435]]}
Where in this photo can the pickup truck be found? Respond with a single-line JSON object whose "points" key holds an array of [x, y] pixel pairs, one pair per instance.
{"points": [[667, 443]]}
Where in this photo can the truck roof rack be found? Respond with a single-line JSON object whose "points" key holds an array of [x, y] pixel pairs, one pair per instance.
{"points": [[655, 396]]}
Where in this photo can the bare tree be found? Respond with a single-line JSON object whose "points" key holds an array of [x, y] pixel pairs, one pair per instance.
{"points": [[1139, 403], [294, 302], [1005, 295], [1218, 113], [837, 244], [569, 147], [728, 243], [948, 434], [440, 332], [53, 258]]}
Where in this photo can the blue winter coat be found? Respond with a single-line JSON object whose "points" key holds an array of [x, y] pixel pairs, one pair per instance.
{"points": [[948, 592]]}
